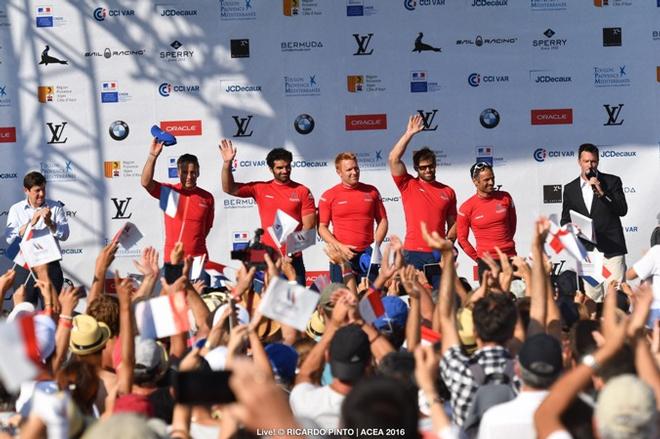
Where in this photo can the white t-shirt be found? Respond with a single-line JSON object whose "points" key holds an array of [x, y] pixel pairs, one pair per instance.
{"points": [[319, 404], [51, 408], [513, 419], [649, 267]]}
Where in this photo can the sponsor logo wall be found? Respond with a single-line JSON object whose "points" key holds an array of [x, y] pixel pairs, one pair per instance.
{"points": [[320, 77]]}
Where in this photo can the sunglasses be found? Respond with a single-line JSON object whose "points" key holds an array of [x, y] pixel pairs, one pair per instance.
{"points": [[425, 167], [479, 166]]}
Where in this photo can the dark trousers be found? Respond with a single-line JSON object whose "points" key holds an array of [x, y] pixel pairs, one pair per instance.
{"points": [[299, 266], [419, 259], [32, 293], [335, 270]]}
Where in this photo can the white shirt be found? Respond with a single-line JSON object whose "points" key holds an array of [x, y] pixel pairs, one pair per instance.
{"points": [[21, 213], [319, 404], [587, 193], [513, 419], [649, 267]]}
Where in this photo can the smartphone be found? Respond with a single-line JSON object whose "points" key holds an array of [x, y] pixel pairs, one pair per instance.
{"points": [[203, 387], [432, 270]]}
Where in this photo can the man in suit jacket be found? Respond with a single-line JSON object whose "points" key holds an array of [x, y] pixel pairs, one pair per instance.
{"points": [[600, 197]]}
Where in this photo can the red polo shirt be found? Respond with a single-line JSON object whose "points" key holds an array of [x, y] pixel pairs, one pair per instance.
{"points": [[352, 212], [292, 198], [431, 202], [196, 207], [493, 223]]}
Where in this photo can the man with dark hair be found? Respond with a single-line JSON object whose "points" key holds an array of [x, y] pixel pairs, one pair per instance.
{"points": [[600, 197], [490, 214], [494, 319], [41, 213], [424, 199], [539, 365], [353, 208], [280, 193], [194, 218]]}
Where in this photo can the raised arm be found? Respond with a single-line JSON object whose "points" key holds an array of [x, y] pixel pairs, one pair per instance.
{"points": [[147, 177], [415, 125], [228, 153], [445, 306]]}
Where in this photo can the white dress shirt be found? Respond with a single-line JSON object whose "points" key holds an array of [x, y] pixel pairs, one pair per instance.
{"points": [[21, 213], [587, 193]]}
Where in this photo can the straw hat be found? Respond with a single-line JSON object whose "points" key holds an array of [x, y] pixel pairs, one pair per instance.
{"points": [[88, 335]]}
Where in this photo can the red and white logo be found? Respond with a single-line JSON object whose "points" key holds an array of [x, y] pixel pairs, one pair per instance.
{"points": [[356, 122], [560, 116], [7, 134], [182, 127]]}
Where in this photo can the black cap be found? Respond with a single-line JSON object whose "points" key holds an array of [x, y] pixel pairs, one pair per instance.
{"points": [[541, 355], [349, 353]]}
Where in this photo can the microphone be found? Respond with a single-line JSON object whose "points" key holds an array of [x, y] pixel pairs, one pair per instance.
{"points": [[590, 175]]}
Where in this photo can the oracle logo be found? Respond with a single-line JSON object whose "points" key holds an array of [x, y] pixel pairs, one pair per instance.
{"points": [[356, 122], [182, 127], [560, 116], [7, 134]]}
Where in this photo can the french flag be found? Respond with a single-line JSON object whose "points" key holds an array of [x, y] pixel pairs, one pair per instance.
{"points": [[163, 316], [14, 252], [371, 307], [594, 272], [169, 201], [20, 353], [430, 337], [564, 238]]}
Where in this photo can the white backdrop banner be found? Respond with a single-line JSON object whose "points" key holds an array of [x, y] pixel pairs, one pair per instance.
{"points": [[518, 83]]}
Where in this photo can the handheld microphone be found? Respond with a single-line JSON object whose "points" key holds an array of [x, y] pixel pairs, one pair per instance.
{"points": [[590, 175]]}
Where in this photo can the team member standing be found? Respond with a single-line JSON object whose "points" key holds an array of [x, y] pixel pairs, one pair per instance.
{"points": [[423, 197], [600, 197], [41, 213], [352, 208], [195, 212], [490, 214], [279, 193]]}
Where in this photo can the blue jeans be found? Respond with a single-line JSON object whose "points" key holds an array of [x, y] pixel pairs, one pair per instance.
{"points": [[419, 259], [335, 270]]}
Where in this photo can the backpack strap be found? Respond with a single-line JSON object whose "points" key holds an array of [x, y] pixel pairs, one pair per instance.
{"points": [[478, 374]]}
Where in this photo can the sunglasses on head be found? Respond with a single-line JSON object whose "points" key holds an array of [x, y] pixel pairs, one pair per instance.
{"points": [[479, 166]]}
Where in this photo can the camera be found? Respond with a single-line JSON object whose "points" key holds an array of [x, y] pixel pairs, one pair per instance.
{"points": [[253, 254]]}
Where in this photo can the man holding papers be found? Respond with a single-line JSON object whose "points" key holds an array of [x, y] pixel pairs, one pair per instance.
{"points": [[600, 197], [40, 215], [188, 209], [279, 194]]}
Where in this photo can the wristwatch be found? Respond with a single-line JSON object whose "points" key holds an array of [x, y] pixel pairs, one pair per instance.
{"points": [[590, 361]]}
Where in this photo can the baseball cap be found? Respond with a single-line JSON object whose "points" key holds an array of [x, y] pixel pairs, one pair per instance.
{"points": [[396, 313], [326, 294], [150, 359], [349, 353], [626, 408], [541, 355], [283, 360], [44, 330], [163, 136]]}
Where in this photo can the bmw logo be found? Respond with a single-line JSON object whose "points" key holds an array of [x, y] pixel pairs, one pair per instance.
{"points": [[540, 154], [474, 79], [489, 118], [304, 124], [118, 130], [164, 89]]}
